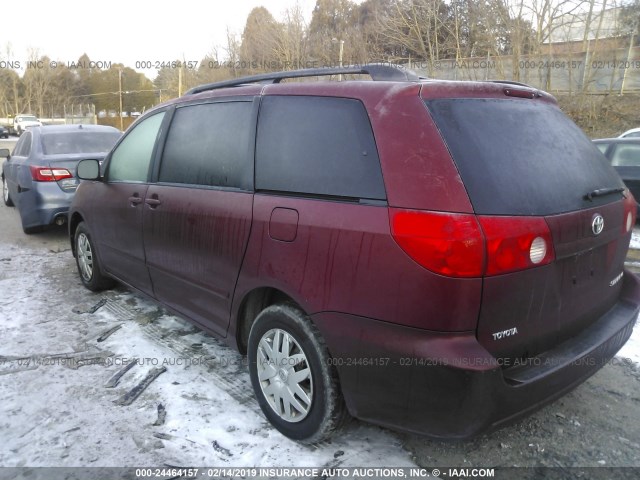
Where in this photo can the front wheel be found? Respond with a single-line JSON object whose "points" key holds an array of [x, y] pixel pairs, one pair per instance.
{"points": [[5, 193], [292, 376], [87, 261]]}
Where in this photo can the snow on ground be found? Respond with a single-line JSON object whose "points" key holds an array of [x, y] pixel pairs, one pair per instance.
{"points": [[632, 348], [56, 410], [635, 238]]}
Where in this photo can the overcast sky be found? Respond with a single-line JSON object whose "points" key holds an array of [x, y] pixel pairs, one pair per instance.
{"points": [[127, 31]]}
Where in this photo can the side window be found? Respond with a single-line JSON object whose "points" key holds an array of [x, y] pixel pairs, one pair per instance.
{"points": [[626, 156], [317, 145], [130, 160], [210, 144]]}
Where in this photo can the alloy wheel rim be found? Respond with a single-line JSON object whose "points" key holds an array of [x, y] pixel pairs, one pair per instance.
{"points": [[85, 257], [5, 190], [285, 375]]}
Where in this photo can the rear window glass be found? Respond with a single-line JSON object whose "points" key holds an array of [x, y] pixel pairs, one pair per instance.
{"points": [[78, 142], [317, 146], [522, 157]]}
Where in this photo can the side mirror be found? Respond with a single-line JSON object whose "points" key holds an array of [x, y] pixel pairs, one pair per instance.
{"points": [[4, 152], [88, 170]]}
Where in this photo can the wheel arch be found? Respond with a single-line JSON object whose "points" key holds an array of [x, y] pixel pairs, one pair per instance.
{"points": [[253, 302], [74, 221]]}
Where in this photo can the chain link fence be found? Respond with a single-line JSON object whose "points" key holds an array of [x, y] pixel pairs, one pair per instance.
{"points": [[615, 71]]}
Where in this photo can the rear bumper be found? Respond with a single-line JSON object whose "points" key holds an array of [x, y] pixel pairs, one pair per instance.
{"points": [[448, 385], [44, 203]]}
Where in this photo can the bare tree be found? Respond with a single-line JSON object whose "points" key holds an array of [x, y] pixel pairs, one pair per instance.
{"points": [[37, 80], [418, 28], [292, 39]]}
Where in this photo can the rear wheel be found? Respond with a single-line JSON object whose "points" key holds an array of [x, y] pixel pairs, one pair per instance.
{"points": [[87, 261], [292, 376], [5, 193]]}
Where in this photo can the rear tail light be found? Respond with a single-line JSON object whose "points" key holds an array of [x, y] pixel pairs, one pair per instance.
{"points": [[462, 245], [516, 243], [47, 174], [630, 211], [448, 244]]}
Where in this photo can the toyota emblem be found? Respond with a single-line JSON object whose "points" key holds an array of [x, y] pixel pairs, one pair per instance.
{"points": [[597, 224]]}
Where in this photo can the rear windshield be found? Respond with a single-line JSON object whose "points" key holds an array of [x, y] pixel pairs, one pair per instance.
{"points": [[78, 142], [522, 157]]}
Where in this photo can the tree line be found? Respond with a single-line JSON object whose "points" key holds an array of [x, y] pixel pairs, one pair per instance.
{"points": [[338, 32]]}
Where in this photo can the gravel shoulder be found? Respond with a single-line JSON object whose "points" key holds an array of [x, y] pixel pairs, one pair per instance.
{"points": [[596, 425]]}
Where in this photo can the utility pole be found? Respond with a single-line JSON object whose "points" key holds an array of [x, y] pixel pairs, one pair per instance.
{"points": [[340, 54]]}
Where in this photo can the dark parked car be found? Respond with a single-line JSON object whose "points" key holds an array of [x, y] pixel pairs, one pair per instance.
{"points": [[4, 133], [39, 178], [624, 155], [437, 257]]}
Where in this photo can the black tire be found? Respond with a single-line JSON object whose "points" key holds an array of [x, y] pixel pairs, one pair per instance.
{"points": [[6, 196], [88, 262], [326, 411]]}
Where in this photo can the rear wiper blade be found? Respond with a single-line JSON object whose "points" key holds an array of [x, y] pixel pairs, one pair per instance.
{"points": [[602, 192]]}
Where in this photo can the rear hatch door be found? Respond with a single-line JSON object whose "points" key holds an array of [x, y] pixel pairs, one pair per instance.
{"points": [[522, 157]]}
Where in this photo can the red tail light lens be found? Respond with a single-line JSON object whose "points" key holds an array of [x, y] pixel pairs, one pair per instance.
{"points": [[462, 245], [448, 244], [46, 174], [630, 212], [516, 243]]}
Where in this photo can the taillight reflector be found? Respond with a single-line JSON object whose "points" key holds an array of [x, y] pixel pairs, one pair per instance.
{"points": [[463, 245], [47, 174]]}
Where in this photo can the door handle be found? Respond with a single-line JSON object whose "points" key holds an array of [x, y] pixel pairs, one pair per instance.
{"points": [[135, 200], [152, 202]]}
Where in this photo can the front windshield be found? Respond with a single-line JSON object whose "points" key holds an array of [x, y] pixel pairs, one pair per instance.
{"points": [[27, 119]]}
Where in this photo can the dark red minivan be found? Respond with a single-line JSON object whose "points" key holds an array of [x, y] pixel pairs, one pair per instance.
{"points": [[433, 256]]}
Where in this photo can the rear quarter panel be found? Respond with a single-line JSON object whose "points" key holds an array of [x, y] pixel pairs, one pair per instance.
{"points": [[344, 259]]}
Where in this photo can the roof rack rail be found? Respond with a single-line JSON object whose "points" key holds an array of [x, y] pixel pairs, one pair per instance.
{"points": [[377, 71]]}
